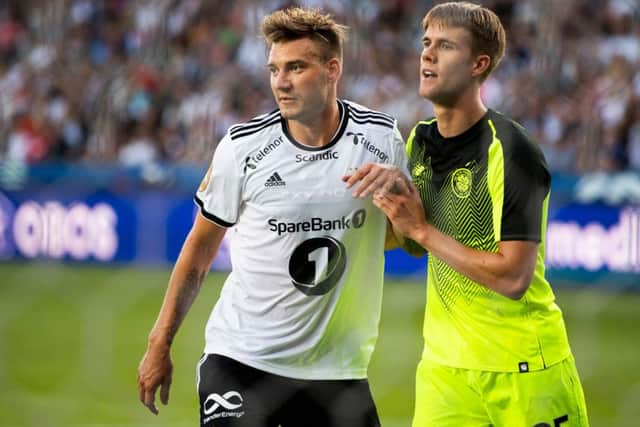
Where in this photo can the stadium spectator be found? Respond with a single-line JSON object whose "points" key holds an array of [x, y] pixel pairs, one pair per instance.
{"points": [[206, 61]]}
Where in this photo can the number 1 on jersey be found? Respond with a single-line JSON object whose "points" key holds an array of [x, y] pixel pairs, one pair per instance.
{"points": [[317, 264], [320, 259]]}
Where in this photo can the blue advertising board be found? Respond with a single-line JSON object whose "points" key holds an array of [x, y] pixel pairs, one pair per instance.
{"points": [[586, 243], [98, 226], [590, 242]]}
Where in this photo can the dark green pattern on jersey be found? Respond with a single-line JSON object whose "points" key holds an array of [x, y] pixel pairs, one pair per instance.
{"points": [[471, 223], [468, 219], [487, 185]]}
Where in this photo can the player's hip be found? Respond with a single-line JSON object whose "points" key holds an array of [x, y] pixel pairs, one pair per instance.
{"points": [[234, 394]]}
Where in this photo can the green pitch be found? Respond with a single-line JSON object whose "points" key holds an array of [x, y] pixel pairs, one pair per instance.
{"points": [[71, 339]]}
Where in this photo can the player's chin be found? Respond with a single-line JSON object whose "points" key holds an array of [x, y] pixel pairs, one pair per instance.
{"points": [[288, 113], [425, 92]]}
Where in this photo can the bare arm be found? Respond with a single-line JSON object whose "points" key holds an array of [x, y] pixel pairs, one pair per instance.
{"points": [[194, 261], [507, 271]]}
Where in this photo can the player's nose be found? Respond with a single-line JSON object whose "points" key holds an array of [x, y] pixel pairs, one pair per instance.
{"points": [[282, 82]]}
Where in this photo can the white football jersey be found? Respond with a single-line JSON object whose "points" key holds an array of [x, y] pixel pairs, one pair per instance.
{"points": [[304, 294]]}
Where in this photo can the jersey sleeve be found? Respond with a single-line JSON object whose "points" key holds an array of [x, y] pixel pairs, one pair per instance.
{"points": [[399, 151], [526, 186], [219, 195]]}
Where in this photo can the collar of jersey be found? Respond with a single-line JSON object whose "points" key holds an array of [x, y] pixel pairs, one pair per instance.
{"points": [[344, 113]]}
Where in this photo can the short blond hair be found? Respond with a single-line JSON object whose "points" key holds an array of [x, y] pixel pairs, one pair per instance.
{"points": [[487, 33], [297, 23]]}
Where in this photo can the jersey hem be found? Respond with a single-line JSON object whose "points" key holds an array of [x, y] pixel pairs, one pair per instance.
{"points": [[304, 373], [531, 365]]}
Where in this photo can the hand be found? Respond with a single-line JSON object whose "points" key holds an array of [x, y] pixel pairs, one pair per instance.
{"points": [[155, 371], [403, 207], [375, 177]]}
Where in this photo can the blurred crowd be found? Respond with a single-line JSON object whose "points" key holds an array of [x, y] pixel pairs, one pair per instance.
{"points": [[134, 82]]}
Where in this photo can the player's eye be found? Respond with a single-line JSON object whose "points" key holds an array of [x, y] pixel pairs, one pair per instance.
{"points": [[296, 68]]}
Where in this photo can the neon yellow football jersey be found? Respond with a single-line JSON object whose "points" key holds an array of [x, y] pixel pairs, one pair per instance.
{"points": [[487, 185]]}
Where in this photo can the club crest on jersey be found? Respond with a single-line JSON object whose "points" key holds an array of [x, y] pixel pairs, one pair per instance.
{"points": [[461, 182]]}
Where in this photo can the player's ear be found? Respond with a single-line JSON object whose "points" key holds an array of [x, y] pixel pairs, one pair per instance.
{"points": [[334, 67], [480, 65]]}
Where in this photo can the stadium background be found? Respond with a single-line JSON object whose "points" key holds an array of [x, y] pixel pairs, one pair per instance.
{"points": [[110, 110]]}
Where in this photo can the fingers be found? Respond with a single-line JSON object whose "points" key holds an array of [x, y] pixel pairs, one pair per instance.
{"points": [[140, 389], [385, 203], [380, 203], [401, 186], [147, 391], [379, 178], [164, 390], [149, 399], [413, 190], [360, 173], [373, 177], [368, 185]]}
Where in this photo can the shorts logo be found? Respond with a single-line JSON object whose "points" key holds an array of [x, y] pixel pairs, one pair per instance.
{"points": [[461, 181], [229, 402]]}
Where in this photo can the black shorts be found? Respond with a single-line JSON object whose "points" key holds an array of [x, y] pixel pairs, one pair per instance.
{"points": [[233, 394]]}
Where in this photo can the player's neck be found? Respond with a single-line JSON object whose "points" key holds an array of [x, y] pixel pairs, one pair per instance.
{"points": [[455, 120], [317, 131]]}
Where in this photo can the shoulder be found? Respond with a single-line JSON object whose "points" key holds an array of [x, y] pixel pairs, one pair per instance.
{"points": [[366, 116], [518, 146], [244, 138], [511, 134], [420, 131], [256, 125]]}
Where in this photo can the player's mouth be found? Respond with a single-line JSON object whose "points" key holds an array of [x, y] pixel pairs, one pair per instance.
{"points": [[286, 99], [428, 74]]}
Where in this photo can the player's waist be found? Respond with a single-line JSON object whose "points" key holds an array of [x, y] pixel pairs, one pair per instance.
{"points": [[300, 362], [502, 350]]}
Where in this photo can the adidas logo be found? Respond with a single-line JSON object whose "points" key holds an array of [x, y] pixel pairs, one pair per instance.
{"points": [[275, 181]]}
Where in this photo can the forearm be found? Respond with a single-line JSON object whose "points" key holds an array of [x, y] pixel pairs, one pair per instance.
{"points": [[506, 274], [184, 285], [182, 290]]}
